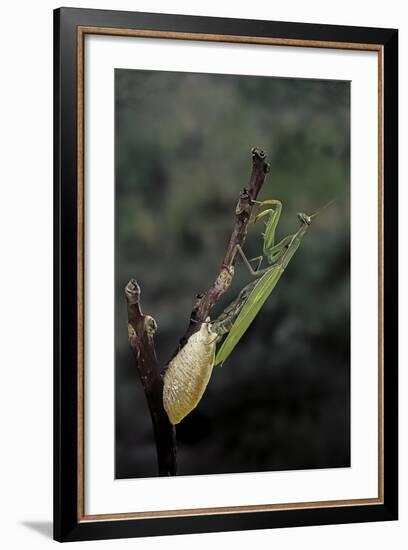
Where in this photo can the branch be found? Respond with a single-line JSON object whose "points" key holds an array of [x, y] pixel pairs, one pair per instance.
{"points": [[141, 329], [205, 302]]}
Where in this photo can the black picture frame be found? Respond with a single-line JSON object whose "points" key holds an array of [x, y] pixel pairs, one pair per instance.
{"points": [[69, 524]]}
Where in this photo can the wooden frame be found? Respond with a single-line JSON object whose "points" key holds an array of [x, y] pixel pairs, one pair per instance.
{"points": [[70, 520]]}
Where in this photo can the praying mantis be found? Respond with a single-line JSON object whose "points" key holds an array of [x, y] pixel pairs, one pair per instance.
{"points": [[190, 370], [256, 293]]}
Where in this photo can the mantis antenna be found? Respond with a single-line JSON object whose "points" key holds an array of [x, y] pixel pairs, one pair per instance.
{"points": [[322, 208]]}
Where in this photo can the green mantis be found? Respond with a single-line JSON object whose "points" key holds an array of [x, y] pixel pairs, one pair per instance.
{"points": [[251, 299], [190, 370]]}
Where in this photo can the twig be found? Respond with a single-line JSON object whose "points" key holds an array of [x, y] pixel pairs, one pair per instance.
{"points": [[205, 302], [141, 329]]}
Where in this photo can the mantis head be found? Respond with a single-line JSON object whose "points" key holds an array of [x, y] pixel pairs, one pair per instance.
{"points": [[304, 218]]}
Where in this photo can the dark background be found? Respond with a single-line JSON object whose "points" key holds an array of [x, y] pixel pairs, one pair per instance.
{"points": [[183, 141]]}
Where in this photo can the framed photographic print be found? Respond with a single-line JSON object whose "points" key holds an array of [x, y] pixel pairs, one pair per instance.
{"points": [[225, 274]]}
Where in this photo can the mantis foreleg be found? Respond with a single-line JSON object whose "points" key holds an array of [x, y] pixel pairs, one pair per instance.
{"points": [[271, 225]]}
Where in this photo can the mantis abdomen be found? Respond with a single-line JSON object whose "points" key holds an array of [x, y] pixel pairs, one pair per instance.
{"points": [[188, 374]]}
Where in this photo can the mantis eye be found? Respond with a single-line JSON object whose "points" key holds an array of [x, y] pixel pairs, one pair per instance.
{"points": [[304, 218]]}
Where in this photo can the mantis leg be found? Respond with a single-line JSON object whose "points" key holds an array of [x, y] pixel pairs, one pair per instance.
{"points": [[258, 259], [278, 251], [247, 263], [273, 220], [269, 202], [222, 325]]}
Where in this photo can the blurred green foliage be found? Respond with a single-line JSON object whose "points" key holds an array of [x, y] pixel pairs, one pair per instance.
{"points": [[182, 150]]}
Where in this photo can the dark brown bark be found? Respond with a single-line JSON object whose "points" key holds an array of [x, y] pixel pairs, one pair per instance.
{"points": [[141, 329], [205, 302]]}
